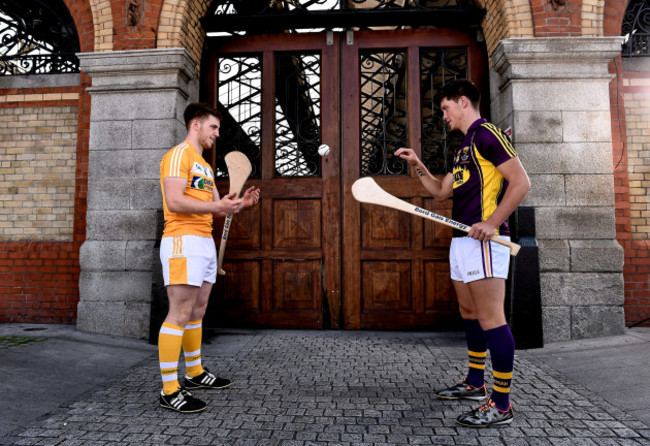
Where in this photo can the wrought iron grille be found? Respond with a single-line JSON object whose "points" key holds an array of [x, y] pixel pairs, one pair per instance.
{"points": [[297, 114], [223, 7], [274, 15], [239, 90], [383, 100], [437, 67], [636, 25], [37, 37]]}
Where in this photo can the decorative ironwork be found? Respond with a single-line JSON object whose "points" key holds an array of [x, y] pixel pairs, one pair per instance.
{"points": [[276, 15], [383, 100], [37, 37], [438, 67], [636, 25], [239, 90], [297, 114], [223, 7]]}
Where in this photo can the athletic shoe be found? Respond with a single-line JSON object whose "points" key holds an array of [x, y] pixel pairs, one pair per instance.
{"points": [[485, 416], [463, 391], [206, 380], [182, 401]]}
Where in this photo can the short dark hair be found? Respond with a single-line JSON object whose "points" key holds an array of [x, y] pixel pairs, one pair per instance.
{"points": [[200, 111], [461, 87]]}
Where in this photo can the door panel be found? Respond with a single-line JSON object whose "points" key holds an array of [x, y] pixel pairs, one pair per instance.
{"points": [[297, 224]]}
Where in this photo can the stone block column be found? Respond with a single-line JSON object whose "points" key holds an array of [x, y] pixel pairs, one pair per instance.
{"points": [[554, 92], [137, 104]]}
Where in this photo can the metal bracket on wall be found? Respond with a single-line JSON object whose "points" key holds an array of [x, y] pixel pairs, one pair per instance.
{"points": [[329, 38], [349, 37]]}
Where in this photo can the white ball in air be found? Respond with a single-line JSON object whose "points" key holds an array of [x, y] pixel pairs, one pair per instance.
{"points": [[323, 150]]}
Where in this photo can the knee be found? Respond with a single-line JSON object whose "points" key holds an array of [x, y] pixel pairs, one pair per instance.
{"points": [[179, 316], [198, 312], [467, 311]]}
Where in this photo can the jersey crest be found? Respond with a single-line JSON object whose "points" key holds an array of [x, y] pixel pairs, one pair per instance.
{"points": [[461, 172]]}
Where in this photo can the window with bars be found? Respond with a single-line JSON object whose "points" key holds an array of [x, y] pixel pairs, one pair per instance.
{"points": [[37, 37], [636, 27]]}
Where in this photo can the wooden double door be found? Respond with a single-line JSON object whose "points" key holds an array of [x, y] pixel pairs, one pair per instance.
{"points": [[309, 255]]}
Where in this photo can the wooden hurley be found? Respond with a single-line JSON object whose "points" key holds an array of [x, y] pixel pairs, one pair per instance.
{"points": [[366, 190], [239, 168]]}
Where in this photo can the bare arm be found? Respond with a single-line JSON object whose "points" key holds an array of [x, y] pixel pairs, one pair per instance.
{"points": [[518, 187], [437, 188], [178, 202]]}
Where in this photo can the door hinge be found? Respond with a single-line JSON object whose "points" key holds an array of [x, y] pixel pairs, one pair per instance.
{"points": [[329, 38], [349, 37]]}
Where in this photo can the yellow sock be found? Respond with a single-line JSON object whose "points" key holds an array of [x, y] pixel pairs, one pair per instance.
{"points": [[192, 348], [170, 340]]}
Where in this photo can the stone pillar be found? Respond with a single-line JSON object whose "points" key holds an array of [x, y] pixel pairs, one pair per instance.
{"points": [[137, 104], [554, 92]]}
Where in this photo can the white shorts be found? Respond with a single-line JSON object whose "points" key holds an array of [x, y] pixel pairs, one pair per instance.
{"points": [[188, 260], [471, 259]]}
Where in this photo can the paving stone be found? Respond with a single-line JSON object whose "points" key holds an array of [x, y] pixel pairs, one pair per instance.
{"points": [[299, 388]]}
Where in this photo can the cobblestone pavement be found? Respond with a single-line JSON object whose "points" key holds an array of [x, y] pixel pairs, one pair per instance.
{"points": [[333, 388]]}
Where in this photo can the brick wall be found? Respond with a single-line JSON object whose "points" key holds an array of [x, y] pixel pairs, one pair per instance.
{"points": [[38, 145], [135, 24], [39, 282], [43, 183], [506, 19], [630, 83], [633, 190], [555, 21], [592, 17]]}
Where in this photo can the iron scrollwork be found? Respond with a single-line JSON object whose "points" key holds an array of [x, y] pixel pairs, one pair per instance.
{"points": [[37, 37], [270, 6], [438, 67], [384, 126], [239, 90], [297, 114], [256, 16], [636, 25]]}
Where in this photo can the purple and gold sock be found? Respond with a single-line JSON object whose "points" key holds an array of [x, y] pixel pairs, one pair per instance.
{"points": [[477, 351], [502, 352]]}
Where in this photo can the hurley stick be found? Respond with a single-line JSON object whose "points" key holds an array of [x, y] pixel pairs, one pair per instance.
{"points": [[366, 190], [239, 168]]}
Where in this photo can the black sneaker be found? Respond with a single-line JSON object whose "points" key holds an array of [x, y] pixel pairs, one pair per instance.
{"points": [[485, 416], [206, 380], [182, 401], [463, 391]]}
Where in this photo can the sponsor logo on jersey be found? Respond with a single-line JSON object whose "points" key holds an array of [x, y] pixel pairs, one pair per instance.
{"points": [[202, 170], [202, 183], [461, 175]]}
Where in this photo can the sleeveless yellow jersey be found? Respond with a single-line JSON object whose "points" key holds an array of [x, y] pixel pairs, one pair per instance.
{"points": [[183, 161]]}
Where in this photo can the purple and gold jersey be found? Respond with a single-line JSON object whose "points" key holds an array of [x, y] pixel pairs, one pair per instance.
{"points": [[478, 185]]}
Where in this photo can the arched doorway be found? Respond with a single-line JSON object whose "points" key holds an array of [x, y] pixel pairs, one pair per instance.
{"points": [[311, 256]]}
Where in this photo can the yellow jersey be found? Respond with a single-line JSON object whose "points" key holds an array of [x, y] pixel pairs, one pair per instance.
{"points": [[183, 161]]}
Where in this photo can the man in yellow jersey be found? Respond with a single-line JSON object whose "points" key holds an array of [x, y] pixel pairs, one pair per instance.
{"points": [[188, 255], [487, 183]]}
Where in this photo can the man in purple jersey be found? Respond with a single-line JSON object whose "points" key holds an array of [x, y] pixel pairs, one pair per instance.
{"points": [[487, 184]]}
